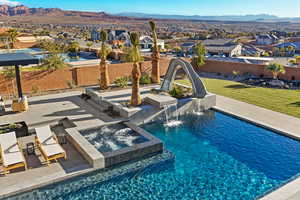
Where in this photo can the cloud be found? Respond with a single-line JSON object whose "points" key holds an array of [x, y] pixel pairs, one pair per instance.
{"points": [[9, 2]]}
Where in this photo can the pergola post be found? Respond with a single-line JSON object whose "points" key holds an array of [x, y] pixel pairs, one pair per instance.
{"points": [[18, 80]]}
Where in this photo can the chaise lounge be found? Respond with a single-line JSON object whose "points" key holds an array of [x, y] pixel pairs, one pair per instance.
{"points": [[11, 154], [48, 144]]}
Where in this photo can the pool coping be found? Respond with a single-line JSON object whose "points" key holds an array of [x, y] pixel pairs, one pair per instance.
{"points": [[107, 159], [287, 189]]}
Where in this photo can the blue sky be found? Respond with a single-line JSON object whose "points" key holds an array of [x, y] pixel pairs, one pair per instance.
{"points": [[286, 8]]}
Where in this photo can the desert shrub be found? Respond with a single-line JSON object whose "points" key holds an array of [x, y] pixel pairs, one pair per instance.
{"points": [[122, 82], [35, 89], [145, 79], [177, 92], [71, 84], [235, 73], [293, 62]]}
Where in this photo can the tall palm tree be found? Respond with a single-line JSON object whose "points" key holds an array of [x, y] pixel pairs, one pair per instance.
{"points": [[12, 35], [155, 74], [136, 73], [104, 78]]}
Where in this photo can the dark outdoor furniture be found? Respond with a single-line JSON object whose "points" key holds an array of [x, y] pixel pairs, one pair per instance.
{"points": [[20, 128], [30, 148], [62, 138]]}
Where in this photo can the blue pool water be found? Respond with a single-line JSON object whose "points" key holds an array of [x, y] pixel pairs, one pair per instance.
{"points": [[217, 157], [37, 52]]}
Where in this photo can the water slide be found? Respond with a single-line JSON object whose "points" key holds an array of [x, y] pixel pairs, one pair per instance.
{"points": [[199, 90]]}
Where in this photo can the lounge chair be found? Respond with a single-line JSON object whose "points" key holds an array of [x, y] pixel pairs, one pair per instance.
{"points": [[11, 153], [48, 144]]}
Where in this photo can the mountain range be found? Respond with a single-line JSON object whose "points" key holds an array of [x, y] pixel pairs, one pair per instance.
{"points": [[256, 18], [54, 14], [21, 10]]}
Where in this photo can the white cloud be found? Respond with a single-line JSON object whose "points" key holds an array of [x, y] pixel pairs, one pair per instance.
{"points": [[9, 2]]}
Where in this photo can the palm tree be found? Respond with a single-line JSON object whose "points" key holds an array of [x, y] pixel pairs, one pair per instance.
{"points": [[104, 78], [276, 69], [89, 45], [12, 35], [155, 74], [136, 73], [73, 48], [199, 55]]}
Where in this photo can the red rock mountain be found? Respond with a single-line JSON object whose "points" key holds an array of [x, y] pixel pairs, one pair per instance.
{"points": [[22, 10]]}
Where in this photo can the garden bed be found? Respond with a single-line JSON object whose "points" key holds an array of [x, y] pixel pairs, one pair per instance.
{"points": [[20, 128]]}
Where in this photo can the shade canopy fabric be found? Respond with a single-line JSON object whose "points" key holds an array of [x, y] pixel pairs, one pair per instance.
{"points": [[13, 59]]}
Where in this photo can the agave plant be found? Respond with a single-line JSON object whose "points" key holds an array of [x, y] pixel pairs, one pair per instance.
{"points": [[104, 78], [155, 74]]}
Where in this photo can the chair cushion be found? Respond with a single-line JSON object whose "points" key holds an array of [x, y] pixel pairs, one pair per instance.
{"points": [[52, 149]]}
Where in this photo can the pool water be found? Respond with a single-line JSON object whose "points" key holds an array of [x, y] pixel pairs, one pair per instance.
{"points": [[37, 52], [217, 157], [68, 58]]}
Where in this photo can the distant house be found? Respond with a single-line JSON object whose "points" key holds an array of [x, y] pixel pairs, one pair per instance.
{"points": [[146, 43], [113, 35], [295, 45], [266, 39], [223, 47], [188, 46], [95, 35], [249, 50]]}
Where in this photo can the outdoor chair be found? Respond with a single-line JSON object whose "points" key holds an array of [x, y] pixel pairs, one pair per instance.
{"points": [[47, 143], [11, 153]]}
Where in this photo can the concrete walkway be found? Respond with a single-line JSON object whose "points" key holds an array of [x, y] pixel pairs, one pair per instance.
{"points": [[278, 122]]}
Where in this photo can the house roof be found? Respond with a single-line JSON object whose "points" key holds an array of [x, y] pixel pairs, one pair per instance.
{"points": [[218, 42], [224, 49]]}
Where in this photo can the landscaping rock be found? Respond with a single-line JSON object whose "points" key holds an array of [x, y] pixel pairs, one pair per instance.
{"points": [[277, 83]]}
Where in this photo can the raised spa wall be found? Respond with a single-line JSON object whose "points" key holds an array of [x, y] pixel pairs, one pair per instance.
{"points": [[100, 160]]}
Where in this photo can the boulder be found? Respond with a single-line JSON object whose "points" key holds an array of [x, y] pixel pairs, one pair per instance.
{"points": [[276, 83]]}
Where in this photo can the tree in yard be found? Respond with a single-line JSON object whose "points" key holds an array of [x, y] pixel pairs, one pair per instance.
{"points": [[12, 35], [74, 47], [53, 60], [104, 78], [155, 74], [136, 73], [198, 59], [276, 69], [89, 45]]}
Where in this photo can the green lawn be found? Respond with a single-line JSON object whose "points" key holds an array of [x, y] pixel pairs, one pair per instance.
{"points": [[284, 101]]}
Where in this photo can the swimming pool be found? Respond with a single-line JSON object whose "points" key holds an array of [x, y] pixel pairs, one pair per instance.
{"points": [[37, 52], [217, 157]]}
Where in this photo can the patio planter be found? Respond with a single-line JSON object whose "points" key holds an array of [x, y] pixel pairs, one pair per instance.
{"points": [[20, 128]]}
